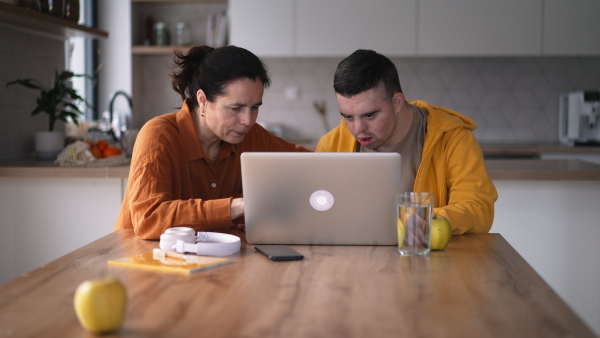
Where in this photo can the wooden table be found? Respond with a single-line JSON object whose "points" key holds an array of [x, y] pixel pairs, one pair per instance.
{"points": [[478, 287]]}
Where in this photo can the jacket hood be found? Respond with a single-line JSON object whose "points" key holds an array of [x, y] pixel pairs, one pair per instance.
{"points": [[444, 119], [439, 121]]}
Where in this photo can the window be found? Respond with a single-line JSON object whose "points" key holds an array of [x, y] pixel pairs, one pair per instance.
{"points": [[81, 59]]}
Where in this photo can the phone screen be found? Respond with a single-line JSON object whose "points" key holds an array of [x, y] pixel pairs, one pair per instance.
{"points": [[279, 252]]}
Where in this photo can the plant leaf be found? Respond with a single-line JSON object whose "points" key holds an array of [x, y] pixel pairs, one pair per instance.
{"points": [[74, 108], [60, 101], [74, 117], [36, 111], [28, 83]]}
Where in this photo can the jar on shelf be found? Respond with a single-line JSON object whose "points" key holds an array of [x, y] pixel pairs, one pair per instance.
{"points": [[183, 33], [32, 5], [43, 6], [161, 34], [55, 8], [71, 10]]}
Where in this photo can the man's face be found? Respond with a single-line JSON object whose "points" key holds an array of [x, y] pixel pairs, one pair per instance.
{"points": [[371, 116]]}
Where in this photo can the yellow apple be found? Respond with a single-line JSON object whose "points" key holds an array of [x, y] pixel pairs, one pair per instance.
{"points": [[100, 304], [400, 232], [441, 233]]}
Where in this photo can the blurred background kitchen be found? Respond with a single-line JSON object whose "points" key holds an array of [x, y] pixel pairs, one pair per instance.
{"points": [[502, 63], [503, 67]]}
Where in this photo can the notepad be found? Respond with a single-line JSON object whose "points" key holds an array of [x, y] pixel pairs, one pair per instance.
{"points": [[151, 261]]}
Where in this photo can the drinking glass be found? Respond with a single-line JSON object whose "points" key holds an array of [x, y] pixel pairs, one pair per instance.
{"points": [[415, 212]]}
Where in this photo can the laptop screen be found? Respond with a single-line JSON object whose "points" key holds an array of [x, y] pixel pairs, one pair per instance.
{"points": [[321, 198]]}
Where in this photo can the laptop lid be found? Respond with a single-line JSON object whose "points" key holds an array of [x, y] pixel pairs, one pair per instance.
{"points": [[321, 198]]}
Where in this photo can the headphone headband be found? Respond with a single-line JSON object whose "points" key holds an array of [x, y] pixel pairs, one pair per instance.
{"points": [[182, 240]]}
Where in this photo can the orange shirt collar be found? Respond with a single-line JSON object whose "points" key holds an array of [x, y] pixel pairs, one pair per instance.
{"points": [[189, 136]]}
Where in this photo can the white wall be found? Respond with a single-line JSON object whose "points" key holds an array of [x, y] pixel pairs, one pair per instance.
{"points": [[114, 17]]}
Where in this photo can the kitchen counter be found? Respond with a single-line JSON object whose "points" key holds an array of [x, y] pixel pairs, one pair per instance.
{"points": [[31, 167], [498, 169], [536, 149], [538, 170]]}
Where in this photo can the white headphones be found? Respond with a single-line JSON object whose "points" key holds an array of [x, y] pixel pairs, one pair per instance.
{"points": [[182, 240]]}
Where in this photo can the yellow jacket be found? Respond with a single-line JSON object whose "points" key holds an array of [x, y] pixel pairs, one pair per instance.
{"points": [[451, 167]]}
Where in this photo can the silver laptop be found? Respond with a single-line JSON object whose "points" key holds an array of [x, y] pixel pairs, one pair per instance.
{"points": [[321, 198]]}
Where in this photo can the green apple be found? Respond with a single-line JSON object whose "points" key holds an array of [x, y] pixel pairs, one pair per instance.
{"points": [[100, 304], [441, 233]]}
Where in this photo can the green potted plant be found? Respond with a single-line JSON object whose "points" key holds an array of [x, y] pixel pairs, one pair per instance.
{"points": [[60, 103]]}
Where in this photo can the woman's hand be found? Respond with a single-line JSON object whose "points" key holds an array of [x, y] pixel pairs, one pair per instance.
{"points": [[237, 208]]}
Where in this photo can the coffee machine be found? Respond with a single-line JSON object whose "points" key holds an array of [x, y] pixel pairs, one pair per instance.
{"points": [[579, 120]]}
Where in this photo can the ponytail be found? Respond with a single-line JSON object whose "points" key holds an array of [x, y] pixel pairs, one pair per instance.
{"points": [[210, 70]]}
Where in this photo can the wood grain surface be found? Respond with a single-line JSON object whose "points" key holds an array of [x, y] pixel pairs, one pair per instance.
{"points": [[478, 287]]}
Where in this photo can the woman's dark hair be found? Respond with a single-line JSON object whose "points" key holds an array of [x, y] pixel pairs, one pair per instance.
{"points": [[213, 69], [363, 70]]}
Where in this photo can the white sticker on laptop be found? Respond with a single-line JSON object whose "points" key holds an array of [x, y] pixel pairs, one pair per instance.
{"points": [[321, 200]]}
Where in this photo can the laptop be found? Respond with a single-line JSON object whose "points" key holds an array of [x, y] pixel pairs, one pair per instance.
{"points": [[320, 198]]}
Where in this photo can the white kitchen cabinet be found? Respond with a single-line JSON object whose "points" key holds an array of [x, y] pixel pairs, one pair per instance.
{"points": [[265, 27], [42, 219], [479, 27], [339, 27], [323, 27], [554, 226], [571, 27]]}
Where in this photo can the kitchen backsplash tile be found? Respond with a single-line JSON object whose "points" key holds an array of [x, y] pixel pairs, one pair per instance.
{"points": [[512, 99], [24, 55]]}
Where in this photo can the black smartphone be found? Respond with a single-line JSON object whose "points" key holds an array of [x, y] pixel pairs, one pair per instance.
{"points": [[279, 252]]}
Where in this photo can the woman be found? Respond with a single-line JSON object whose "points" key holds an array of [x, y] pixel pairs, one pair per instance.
{"points": [[185, 168]]}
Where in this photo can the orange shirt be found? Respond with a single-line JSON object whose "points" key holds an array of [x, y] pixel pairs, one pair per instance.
{"points": [[172, 183]]}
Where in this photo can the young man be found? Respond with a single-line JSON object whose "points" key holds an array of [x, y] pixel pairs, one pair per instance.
{"points": [[439, 152]]}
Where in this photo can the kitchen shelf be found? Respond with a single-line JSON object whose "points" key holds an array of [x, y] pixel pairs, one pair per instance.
{"points": [[178, 0], [157, 50], [45, 24]]}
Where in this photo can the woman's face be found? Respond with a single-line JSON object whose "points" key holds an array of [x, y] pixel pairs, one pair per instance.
{"points": [[232, 114]]}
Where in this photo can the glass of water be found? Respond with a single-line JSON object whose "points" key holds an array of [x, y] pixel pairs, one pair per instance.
{"points": [[415, 212]]}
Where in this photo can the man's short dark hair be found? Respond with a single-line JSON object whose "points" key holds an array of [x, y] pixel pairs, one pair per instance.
{"points": [[365, 69]]}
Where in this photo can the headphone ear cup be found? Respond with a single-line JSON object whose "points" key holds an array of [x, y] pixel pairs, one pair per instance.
{"points": [[168, 240], [182, 231]]}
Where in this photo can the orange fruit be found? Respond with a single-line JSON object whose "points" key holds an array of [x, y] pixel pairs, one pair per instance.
{"points": [[96, 152], [111, 151], [101, 145], [90, 143]]}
